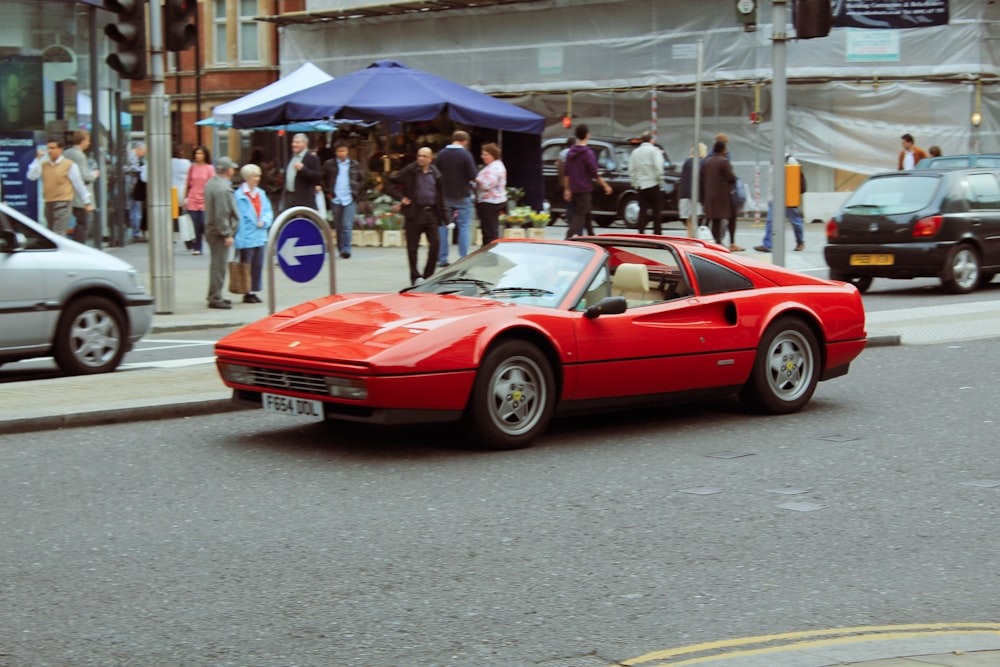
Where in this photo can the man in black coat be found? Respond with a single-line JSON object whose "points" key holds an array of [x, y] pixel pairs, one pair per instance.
{"points": [[303, 175], [419, 187]]}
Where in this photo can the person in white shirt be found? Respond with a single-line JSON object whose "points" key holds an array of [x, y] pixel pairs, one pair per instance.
{"points": [[60, 180], [645, 171]]}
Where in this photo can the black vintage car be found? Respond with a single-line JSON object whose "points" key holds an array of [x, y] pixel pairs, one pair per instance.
{"points": [[612, 160], [921, 223]]}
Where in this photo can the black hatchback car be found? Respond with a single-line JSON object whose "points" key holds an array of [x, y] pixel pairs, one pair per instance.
{"points": [[612, 161], [921, 223]]}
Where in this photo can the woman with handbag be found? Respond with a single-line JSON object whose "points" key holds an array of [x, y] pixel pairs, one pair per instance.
{"points": [[199, 174], [256, 216]]}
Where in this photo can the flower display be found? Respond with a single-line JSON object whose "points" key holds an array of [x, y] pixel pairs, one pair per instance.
{"points": [[524, 216]]}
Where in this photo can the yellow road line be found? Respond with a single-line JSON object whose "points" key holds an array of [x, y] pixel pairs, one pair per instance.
{"points": [[875, 632]]}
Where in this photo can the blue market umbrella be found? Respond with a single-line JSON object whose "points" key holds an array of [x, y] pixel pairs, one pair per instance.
{"points": [[390, 91]]}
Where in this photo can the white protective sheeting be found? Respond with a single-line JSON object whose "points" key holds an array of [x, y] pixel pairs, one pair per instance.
{"points": [[845, 110]]}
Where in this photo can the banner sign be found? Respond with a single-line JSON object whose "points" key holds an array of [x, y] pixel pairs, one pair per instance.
{"points": [[17, 150], [891, 14]]}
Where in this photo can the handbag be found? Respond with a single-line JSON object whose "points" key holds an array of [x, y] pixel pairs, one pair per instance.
{"points": [[185, 227], [239, 277], [738, 194]]}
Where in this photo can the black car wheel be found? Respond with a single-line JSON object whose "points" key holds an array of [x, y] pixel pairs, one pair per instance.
{"points": [[786, 369], [861, 282], [961, 270], [628, 211], [91, 337], [513, 397]]}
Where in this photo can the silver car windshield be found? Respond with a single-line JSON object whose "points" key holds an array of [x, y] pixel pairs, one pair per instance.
{"points": [[537, 274], [891, 196]]}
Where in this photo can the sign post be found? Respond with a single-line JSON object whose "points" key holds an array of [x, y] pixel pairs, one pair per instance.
{"points": [[300, 238]]}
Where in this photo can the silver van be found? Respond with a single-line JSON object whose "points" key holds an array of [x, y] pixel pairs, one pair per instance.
{"points": [[61, 298]]}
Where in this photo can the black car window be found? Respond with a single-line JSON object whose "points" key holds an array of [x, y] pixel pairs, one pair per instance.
{"points": [[551, 153], [604, 159], [717, 279], [893, 195], [983, 191]]}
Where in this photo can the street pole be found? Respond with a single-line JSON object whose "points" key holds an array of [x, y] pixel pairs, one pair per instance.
{"points": [[161, 233], [779, 103], [692, 222]]}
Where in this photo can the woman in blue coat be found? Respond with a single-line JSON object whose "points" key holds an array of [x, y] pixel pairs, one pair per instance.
{"points": [[256, 216]]}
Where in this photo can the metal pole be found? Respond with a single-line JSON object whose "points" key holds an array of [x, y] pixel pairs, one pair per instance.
{"points": [[161, 232], [779, 102], [692, 222], [100, 212]]}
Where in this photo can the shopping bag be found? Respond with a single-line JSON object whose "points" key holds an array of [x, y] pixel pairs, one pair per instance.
{"points": [[704, 233], [185, 227], [239, 277]]}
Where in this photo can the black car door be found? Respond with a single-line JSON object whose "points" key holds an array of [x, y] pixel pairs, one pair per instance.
{"points": [[984, 207]]}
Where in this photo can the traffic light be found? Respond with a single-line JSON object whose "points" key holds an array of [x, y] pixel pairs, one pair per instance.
{"points": [[813, 18], [130, 36], [179, 33]]}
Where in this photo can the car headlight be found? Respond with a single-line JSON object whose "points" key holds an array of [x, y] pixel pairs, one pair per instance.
{"points": [[350, 388], [236, 373], [137, 280]]}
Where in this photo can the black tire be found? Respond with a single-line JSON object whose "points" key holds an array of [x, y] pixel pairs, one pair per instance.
{"points": [[628, 211], [91, 337], [961, 270], [512, 399], [861, 282], [786, 369]]}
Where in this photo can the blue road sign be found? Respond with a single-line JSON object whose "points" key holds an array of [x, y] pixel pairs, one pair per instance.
{"points": [[301, 249]]}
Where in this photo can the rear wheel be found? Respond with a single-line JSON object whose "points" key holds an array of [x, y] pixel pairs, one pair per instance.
{"points": [[91, 337], [628, 211], [861, 282], [786, 369], [513, 397], [961, 270]]}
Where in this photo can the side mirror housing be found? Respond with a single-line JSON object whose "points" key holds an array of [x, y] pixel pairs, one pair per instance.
{"points": [[609, 305]]}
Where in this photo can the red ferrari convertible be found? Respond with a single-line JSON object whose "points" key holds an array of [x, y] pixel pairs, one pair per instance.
{"points": [[523, 330]]}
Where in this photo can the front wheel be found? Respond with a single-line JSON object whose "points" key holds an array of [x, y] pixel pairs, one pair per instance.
{"points": [[91, 337], [513, 397], [786, 369], [961, 270]]}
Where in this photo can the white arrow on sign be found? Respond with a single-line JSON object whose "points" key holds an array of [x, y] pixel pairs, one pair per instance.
{"points": [[290, 252]]}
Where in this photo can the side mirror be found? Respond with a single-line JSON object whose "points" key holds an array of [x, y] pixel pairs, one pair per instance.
{"points": [[609, 305], [11, 241]]}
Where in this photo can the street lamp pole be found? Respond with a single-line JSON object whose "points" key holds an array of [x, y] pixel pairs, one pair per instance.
{"points": [[779, 103]]}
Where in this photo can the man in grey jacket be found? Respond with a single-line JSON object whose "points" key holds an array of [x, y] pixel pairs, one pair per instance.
{"points": [[81, 142], [221, 220]]}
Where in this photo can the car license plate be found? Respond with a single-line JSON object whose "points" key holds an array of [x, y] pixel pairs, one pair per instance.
{"points": [[293, 407], [872, 260]]}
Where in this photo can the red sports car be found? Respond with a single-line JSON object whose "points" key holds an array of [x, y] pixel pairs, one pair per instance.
{"points": [[523, 330]]}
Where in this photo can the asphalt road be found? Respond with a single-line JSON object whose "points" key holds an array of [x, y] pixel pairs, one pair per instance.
{"points": [[246, 539]]}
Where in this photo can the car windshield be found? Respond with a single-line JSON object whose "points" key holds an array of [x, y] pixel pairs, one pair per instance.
{"points": [[537, 274], [893, 195]]}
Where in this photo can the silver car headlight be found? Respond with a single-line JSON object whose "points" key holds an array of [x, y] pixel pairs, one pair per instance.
{"points": [[350, 388], [137, 282]]}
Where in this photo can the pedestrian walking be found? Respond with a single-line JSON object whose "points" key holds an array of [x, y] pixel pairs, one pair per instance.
{"points": [[792, 214], [344, 185], [303, 175], [685, 204], [81, 216], [136, 189], [199, 174], [419, 188], [645, 171], [581, 172], [179, 168], [256, 216], [61, 181], [491, 192], [221, 220], [716, 183], [458, 170]]}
